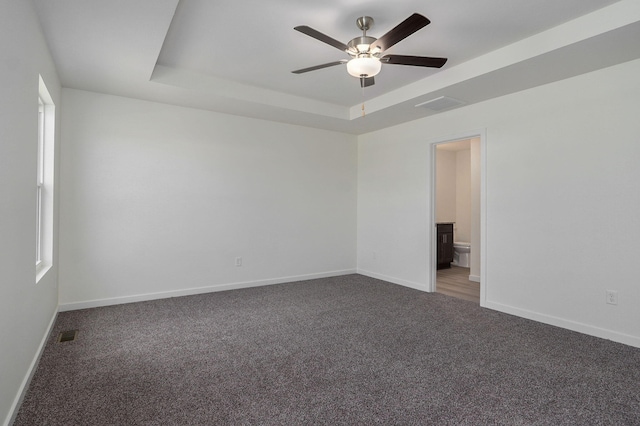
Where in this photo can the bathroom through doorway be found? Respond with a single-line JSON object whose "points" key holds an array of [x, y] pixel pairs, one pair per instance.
{"points": [[456, 189]]}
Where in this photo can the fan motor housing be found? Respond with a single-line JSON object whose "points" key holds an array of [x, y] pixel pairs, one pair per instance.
{"points": [[361, 45]]}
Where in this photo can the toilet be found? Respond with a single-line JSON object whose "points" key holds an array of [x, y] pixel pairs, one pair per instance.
{"points": [[461, 252]]}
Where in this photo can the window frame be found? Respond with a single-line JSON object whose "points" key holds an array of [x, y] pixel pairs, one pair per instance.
{"points": [[40, 182], [44, 182]]}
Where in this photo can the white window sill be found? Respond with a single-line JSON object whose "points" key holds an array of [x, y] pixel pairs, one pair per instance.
{"points": [[41, 270]]}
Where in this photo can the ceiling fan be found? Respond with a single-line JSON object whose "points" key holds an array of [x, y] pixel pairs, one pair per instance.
{"points": [[367, 53]]}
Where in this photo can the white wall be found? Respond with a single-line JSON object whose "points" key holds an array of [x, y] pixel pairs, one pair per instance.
{"points": [[26, 308], [159, 200], [562, 200], [446, 186]]}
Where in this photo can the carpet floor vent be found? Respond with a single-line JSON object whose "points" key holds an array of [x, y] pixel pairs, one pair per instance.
{"points": [[67, 336]]}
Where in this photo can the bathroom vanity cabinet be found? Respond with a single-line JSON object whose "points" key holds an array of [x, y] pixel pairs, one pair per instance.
{"points": [[444, 244]]}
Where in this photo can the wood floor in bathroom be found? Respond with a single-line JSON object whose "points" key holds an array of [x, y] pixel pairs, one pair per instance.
{"points": [[455, 282]]}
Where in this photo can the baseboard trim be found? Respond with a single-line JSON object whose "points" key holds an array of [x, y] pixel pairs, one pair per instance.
{"points": [[474, 278], [405, 283], [567, 324], [22, 391], [73, 306]]}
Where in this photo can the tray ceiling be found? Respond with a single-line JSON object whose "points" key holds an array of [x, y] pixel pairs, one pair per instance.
{"points": [[237, 57]]}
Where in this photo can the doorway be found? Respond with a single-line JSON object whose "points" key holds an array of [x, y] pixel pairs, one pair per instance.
{"points": [[457, 218]]}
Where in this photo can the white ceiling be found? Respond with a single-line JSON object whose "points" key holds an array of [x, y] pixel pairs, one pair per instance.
{"points": [[237, 57]]}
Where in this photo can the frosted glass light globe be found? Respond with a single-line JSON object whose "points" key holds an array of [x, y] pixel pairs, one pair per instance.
{"points": [[367, 67]]}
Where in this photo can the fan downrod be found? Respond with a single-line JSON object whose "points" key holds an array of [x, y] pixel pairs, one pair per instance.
{"points": [[360, 45]]}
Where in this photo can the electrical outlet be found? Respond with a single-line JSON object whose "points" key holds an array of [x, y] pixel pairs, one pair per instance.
{"points": [[238, 261], [612, 297]]}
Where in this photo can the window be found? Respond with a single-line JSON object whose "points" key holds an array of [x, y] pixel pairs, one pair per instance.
{"points": [[44, 181], [40, 181]]}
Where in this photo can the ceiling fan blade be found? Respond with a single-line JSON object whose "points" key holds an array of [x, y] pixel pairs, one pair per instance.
{"points": [[403, 30], [319, 67], [416, 61], [367, 81], [322, 37]]}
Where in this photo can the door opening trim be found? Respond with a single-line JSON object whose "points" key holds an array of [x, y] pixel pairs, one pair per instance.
{"points": [[431, 234]]}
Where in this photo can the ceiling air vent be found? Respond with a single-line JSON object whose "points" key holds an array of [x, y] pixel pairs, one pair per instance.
{"points": [[67, 336], [440, 104]]}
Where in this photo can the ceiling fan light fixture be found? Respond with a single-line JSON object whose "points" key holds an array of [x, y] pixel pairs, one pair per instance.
{"points": [[364, 67], [367, 53]]}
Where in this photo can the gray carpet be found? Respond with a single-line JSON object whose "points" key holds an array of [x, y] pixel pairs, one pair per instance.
{"points": [[346, 350]]}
